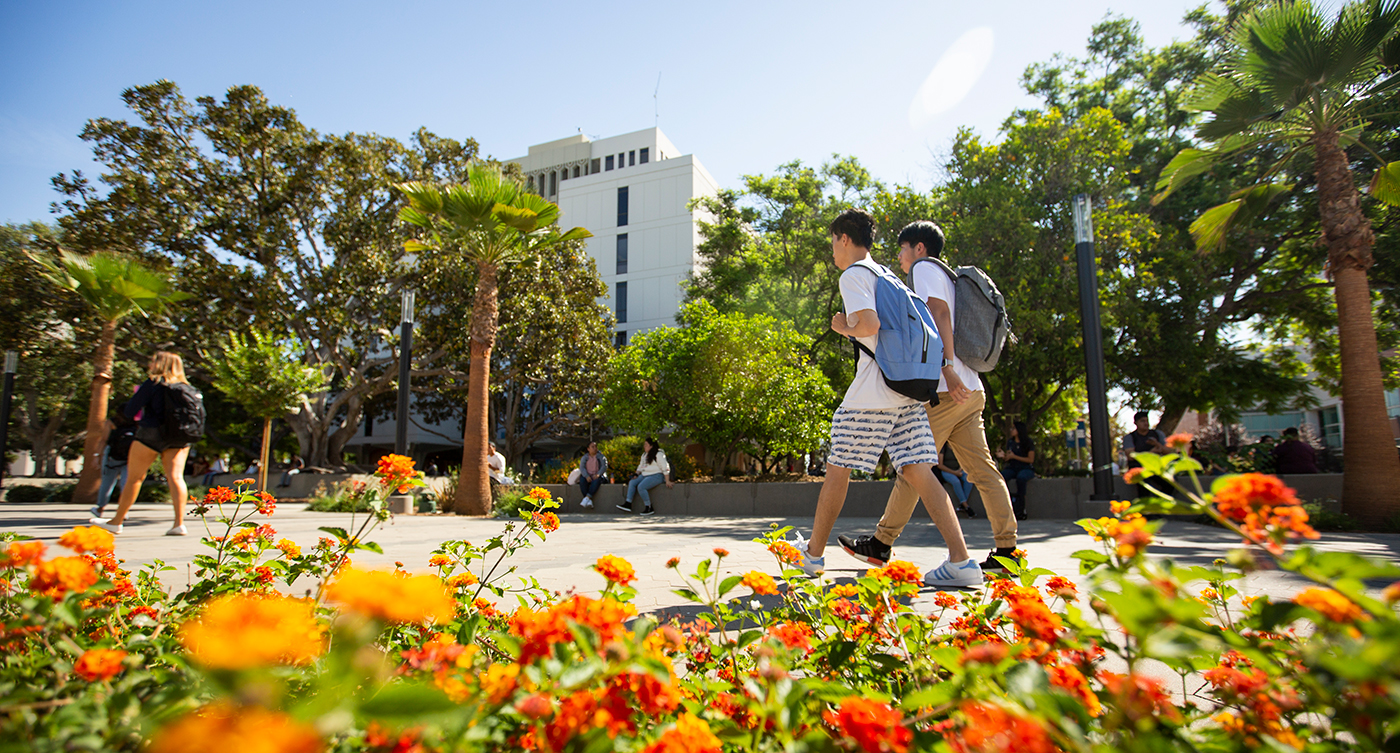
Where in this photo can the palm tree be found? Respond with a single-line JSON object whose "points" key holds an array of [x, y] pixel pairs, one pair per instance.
{"points": [[263, 375], [491, 221], [1298, 84], [116, 286]]}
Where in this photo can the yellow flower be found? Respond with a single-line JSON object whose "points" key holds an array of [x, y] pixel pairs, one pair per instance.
{"points": [[224, 728], [615, 569], [381, 595], [760, 582], [438, 560], [242, 631], [462, 580], [84, 539], [540, 494], [289, 548], [498, 681]]}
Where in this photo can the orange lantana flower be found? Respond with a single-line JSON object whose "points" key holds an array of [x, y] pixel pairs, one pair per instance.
{"points": [[23, 553], [242, 631], [60, 575], [382, 595], [99, 664], [690, 735], [615, 569], [395, 472], [873, 725], [84, 539], [225, 728], [1330, 604]]}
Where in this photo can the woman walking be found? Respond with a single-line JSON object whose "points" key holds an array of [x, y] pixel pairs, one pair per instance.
{"points": [[151, 402], [651, 471], [1018, 456]]}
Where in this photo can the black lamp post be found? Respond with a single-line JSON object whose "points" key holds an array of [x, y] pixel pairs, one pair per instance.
{"points": [[1101, 459], [405, 358], [11, 366]]}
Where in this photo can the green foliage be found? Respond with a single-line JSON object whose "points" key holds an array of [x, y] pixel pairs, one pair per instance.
{"points": [[727, 381], [27, 494], [624, 453], [115, 285], [58, 494], [264, 374], [1323, 518], [510, 501], [345, 496]]}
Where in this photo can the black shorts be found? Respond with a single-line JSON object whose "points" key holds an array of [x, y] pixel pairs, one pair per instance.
{"points": [[150, 436]]}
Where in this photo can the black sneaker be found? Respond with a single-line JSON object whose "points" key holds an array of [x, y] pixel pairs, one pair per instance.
{"points": [[992, 563], [625, 507], [866, 548], [648, 511], [967, 510]]}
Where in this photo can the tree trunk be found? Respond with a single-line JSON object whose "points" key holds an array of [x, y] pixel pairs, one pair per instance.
{"points": [[264, 453], [474, 484], [1170, 418], [1372, 467], [91, 477]]}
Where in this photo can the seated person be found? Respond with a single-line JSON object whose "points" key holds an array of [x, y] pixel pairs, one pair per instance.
{"points": [[1018, 458], [496, 466], [1293, 455], [950, 473]]}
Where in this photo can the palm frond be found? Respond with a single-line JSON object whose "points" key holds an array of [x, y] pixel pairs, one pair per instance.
{"points": [[1210, 229], [1385, 186]]}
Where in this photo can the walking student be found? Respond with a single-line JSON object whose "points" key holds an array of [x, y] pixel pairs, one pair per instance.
{"points": [[172, 416], [121, 432], [652, 471], [592, 467], [873, 418], [956, 420]]}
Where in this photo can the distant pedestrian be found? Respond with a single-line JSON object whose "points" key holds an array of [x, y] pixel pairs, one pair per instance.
{"points": [[652, 470], [1142, 439], [293, 468], [1018, 464], [120, 434], [592, 468], [1293, 455], [496, 466], [216, 469], [166, 394]]}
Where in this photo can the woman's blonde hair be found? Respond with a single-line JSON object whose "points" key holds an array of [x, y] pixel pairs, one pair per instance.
{"points": [[167, 367]]}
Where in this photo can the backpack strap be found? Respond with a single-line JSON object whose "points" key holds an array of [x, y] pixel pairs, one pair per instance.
{"points": [[856, 345], [936, 260]]}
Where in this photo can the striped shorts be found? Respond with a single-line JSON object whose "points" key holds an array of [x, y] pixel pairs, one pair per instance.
{"points": [[858, 437]]}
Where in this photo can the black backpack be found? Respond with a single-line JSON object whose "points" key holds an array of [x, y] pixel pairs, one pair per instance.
{"points": [[119, 442], [184, 414]]}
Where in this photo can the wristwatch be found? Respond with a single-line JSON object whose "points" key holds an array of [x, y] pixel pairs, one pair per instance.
{"points": [[947, 362]]}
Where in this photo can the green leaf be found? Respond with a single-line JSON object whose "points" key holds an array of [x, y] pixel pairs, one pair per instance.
{"points": [[1385, 185], [749, 636], [406, 701], [728, 584], [337, 532], [1187, 164], [935, 695], [840, 652], [686, 593]]}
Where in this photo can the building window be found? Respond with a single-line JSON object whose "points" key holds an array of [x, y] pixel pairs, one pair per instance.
{"points": [[622, 206], [564, 174], [530, 183], [621, 160], [593, 166], [575, 171], [553, 183], [608, 163], [369, 426], [622, 254], [620, 339], [1331, 420], [646, 154], [622, 303], [632, 158]]}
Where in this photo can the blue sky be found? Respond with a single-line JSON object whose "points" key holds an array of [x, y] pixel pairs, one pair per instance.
{"points": [[744, 86]]}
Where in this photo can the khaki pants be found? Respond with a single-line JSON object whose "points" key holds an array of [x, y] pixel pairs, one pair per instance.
{"points": [[961, 427]]}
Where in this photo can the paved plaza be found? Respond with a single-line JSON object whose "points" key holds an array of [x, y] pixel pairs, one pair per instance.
{"points": [[562, 561]]}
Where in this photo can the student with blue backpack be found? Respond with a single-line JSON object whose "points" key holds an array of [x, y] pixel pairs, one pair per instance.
{"points": [[972, 326], [898, 360]]}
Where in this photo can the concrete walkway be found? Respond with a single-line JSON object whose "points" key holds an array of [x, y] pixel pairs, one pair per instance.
{"points": [[562, 561]]}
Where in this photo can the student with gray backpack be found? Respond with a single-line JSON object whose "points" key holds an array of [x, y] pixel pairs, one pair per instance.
{"points": [[897, 353], [169, 413], [972, 325]]}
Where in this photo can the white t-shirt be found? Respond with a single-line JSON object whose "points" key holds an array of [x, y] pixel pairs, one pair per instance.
{"points": [[660, 465], [868, 390], [496, 467], [930, 281]]}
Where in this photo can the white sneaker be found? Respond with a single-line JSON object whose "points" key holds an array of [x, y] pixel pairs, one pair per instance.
{"points": [[99, 522], [965, 574], [812, 566], [177, 531], [587, 503]]}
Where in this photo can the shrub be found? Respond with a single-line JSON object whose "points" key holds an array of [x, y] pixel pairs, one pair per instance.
{"points": [[1324, 519], [26, 494], [472, 657], [443, 489], [625, 452], [510, 500], [59, 494], [345, 496]]}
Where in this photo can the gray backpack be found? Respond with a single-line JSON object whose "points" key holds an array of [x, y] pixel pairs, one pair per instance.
{"points": [[981, 326]]}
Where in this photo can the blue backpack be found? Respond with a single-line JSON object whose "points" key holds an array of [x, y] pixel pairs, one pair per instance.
{"points": [[909, 351]]}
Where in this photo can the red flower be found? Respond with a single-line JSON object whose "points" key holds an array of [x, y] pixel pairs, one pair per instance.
{"points": [[794, 635], [266, 503], [219, 495], [536, 706], [992, 729], [874, 726]]}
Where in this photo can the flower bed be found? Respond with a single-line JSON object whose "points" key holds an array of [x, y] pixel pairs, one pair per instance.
{"points": [[475, 656]]}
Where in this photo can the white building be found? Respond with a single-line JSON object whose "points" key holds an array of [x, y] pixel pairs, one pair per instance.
{"points": [[633, 193]]}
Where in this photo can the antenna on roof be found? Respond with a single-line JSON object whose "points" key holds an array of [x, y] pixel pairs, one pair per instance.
{"points": [[656, 102]]}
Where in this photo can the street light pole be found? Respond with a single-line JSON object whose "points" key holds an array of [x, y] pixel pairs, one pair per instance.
{"points": [[11, 366], [1100, 457], [405, 358]]}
